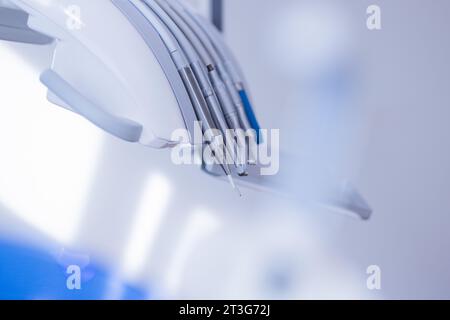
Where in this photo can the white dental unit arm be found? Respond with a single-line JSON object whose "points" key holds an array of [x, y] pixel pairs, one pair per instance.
{"points": [[141, 69]]}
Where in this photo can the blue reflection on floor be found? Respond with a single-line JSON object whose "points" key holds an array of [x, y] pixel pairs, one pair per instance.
{"points": [[29, 274]]}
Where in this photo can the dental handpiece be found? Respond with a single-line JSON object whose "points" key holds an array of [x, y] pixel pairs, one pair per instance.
{"points": [[230, 99], [242, 114], [223, 57], [218, 116], [215, 140], [165, 14], [188, 79], [229, 111]]}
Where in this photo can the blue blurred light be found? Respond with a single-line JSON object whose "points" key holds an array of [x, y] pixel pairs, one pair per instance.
{"points": [[31, 274]]}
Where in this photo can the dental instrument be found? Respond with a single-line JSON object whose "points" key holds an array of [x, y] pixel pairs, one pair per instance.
{"points": [[222, 72], [232, 108], [199, 71], [223, 57], [187, 75]]}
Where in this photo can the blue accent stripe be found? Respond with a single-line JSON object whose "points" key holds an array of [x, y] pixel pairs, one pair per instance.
{"points": [[250, 114]]}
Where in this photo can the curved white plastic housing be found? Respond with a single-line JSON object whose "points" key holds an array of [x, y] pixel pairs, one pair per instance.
{"points": [[141, 69], [105, 60]]}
